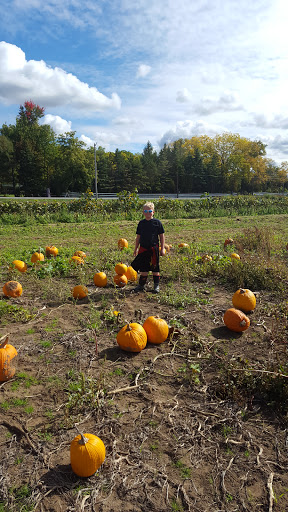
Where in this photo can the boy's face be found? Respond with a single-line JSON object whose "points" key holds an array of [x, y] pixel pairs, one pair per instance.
{"points": [[148, 213]]}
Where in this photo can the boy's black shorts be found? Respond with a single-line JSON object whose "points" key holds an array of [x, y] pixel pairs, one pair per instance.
{"points": [[147, 260]]}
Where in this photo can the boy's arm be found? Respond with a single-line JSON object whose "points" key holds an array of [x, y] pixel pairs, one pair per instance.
{"points": [[162, 242], [136, 245]]}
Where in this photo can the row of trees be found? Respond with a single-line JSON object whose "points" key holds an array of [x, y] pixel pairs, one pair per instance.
{"points": [[33, 159]]}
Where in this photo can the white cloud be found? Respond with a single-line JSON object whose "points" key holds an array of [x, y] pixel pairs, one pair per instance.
{"points": [[21, 80], [184, 96], [277, 121], [143, 70], [187, 129], [58, 124], [227, 102]]}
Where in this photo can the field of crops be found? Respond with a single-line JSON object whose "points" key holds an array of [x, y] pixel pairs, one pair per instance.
{"points": [[196, 423]]}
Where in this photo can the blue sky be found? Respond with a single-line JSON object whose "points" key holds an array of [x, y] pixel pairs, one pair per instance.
{"points": [[120, 73]]}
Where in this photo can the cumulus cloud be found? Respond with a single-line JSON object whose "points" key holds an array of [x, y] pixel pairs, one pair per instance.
{"points": [[184, 96], [227, 102], [143, 70], [187, 129], [58, 124], [277, 121], [277, 145], [21, 80]]}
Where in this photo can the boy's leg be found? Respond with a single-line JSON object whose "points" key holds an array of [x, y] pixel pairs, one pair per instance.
{"points": [[142, 282], [156, 279]]}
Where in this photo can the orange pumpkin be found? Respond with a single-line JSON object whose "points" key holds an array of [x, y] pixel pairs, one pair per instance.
{"points": [[12, 289], [120, 280], [36, 257], [79, 292], [81, 254], [20, 265], [51, 250], [121, 269], [206, 257], [7, 354], [244, 299], [77, 260], [87, 453], [228, 241], [131, 274], [100, 279], [235, 256], [236, 320], [122, 244], [132, 337], [156, 329], [183, 245]]}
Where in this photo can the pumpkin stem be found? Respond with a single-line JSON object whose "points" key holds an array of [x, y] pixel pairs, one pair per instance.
{"points": [[242, 290], [128, 328], [3, 345], [242, 323], [83, 439]]}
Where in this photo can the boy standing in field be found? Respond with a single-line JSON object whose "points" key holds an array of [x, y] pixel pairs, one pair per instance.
{"points": [[148, 232]]}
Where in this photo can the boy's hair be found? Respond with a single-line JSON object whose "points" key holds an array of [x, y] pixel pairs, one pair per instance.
{"points": [[148, 206]]}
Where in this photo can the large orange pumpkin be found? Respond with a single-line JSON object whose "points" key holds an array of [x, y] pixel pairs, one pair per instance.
{"points": [[36, 257], [7, 354], [244, 299], [120, 280], [236, 320], [122, 244], [100, 279], [19, 265], [12, 289], [51, 250], [121, 269], [131, 274], [156, 328], [132, 337], [79, 292], [87, 453]]}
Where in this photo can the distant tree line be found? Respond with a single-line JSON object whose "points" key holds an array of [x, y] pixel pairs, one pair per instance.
{"points": [[33, 159]]}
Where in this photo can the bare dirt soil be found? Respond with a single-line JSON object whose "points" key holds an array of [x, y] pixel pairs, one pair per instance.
{"points": [[179, 435]]}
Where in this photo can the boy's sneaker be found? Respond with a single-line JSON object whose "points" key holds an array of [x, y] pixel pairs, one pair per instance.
{"points": [[156, 288], [138, 288]]}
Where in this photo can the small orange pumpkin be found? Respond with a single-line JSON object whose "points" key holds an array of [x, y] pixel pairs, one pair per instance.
{"points": [[20, 265], [51, 250], [79, 292], [236, 320], [132, 337], [7, 354], [157, 329], [131, 274], [228, 241], [206, 257], [183, 245], [12, 289], [87, 453], [77, 260], [100, 279], [121, 269], [244, 299], [235, 256], [120, 280], [122, 244], [36, 257], [81, 254]]}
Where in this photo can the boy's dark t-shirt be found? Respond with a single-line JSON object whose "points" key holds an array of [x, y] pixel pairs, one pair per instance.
{"points": [[149, 230]]}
